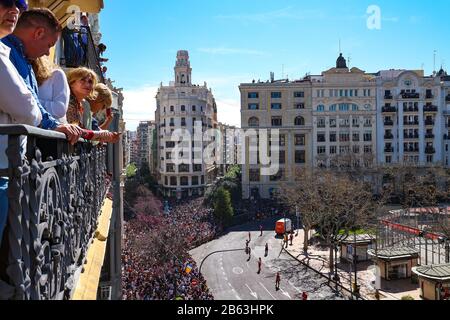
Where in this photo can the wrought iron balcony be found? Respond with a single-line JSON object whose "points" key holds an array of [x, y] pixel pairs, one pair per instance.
{"points": [[389, 109], [80, 50], [429, 96], [389, 136], [389, 149], [409, 95], [388, 122], [388, 97], [430, 108], [410, 109], [429, 136], [446, 137], [430, 150], [429, 122], [411, 136], [55, 197], [409, 150], [411, 123]]}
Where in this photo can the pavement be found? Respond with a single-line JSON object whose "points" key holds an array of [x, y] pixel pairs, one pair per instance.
{"points": [[317, 258]]}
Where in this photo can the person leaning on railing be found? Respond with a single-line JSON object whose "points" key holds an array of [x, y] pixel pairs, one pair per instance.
{"points": [[54, 91], [17, 104], [82, 82], [37, 31], [102, 103]]}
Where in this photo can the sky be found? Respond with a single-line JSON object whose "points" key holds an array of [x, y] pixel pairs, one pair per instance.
{"points": [[235, 41]]}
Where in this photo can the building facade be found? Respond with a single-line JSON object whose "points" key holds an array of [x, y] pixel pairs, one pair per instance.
{"points": [[145, 141], [284, 106], [411, 124], [344, 117], [184, 106]]}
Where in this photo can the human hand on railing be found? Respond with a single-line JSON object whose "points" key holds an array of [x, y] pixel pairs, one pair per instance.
{"points": [[72, 132], [106, 136]]}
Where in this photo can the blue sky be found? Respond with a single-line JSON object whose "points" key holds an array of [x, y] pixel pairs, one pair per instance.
{"points": [[236, 41]]}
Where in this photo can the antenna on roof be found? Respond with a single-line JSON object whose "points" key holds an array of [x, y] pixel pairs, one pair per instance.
{"points": [[434, 63], [272, 76]]}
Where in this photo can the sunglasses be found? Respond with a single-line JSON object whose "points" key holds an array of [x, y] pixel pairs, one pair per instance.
{"points": [[20, 4]]}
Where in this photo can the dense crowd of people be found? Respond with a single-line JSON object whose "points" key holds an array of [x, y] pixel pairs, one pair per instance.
{"points": [[156, 262]]}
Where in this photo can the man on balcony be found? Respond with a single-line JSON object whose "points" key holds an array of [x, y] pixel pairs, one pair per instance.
{"points": [[36, 32]]}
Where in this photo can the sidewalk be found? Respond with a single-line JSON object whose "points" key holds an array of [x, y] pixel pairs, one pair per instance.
{"points": [[317, 258]]}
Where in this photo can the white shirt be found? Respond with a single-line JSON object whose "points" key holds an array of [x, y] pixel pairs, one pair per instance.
{"points": [[17, 105], [54, 95]]}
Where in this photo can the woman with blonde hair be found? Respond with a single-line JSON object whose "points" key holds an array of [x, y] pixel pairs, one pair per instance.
{"points": [[54, 90], [82, 82], [101, 103]]}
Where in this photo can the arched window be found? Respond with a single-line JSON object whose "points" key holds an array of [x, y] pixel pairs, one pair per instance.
{"points": [[253, 122], [172, 108], [299, 121], [320, 108]]}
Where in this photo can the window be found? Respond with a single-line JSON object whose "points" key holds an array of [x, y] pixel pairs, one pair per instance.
{"points": [[367, 149], [170, 168], [172, 108], [299, 121], [344, 137], [282, 140], [183, 168], [300, 106], [355, 122], [183, 108], [173, 181], [320, 108], [277, 121], [168, 155], [276, 106], [195, 181], [275, 95], [333, 123], [344, 122], [300, 156], [254, 175], [194, 108], [299, 94], [282, 158], [253, 122], [300, 140], [333, 108], [166, 180], [355, 149], [321, 150], [332, 136], [429, 159], [355, 137], [355, 107], [253, 95], [183, 122], [197, 167], [321, 137], [170, 144], [343, 107], [321, 123], [333, 150], [388, 159], [253, 106], [367, 122], [368, 137], [184, 181]]}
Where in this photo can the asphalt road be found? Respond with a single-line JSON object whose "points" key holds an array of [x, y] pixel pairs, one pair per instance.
{"points": [[231, 275]]}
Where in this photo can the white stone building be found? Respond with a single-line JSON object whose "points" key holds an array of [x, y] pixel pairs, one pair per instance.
{"points": [[183, 105]]}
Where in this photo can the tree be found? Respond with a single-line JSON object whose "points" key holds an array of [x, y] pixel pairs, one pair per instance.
{"points": [[131, 171], [223, 210], [302, 194]]}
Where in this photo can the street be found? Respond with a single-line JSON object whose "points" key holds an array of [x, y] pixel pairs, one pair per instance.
{"points": [[232, 276]]}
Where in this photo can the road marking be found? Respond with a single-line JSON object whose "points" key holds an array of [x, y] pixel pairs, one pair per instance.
{"points": [[238, 271], [254, 294], [286, 294], [267, 291], [293, 286]]}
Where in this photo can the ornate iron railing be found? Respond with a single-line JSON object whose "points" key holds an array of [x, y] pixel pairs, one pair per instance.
{"points": [[55, 196]]}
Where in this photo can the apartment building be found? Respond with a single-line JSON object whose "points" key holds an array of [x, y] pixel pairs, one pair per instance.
{"points": [[284, 106], [184, 106]]}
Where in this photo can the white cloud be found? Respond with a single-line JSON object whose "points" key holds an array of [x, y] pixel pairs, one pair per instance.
{"points": [[229, 51], [139, 105]]}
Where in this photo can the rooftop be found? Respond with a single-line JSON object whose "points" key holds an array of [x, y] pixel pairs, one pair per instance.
{"points": [[435, 272], [394, 253]]}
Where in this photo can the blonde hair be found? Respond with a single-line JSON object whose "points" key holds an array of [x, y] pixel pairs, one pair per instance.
{"points": [[102, 94], [43, 69], [81, 73]]}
